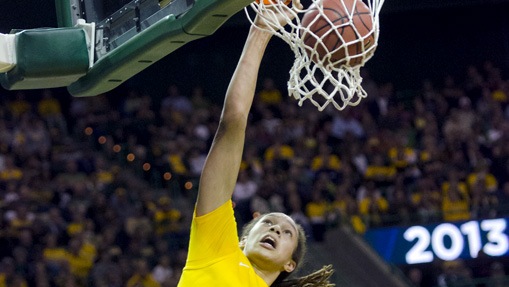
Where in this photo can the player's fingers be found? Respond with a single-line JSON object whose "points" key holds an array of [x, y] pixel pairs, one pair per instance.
{"points": [[297, 5]]}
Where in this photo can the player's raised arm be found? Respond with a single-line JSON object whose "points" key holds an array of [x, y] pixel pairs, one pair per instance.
{"points": [[223, 161]]}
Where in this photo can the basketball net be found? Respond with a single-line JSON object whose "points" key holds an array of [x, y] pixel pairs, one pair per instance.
{"points": [[320, 82]]}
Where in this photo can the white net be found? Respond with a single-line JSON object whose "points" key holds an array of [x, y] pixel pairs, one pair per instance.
{"points": [[330, 47]]}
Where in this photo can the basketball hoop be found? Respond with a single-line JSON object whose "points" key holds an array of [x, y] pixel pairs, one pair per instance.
{"points": [[325, 73]]}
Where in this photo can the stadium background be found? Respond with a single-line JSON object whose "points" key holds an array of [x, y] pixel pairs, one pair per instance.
{"points": [[419, 40]]}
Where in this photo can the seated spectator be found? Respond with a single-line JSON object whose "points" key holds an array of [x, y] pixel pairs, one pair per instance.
{"points": [[426, 200], [373, 206], [481, 175], [454, 273], [80, 257], [453, 181], [244, 190], [399, 208], [163, 271], [484, 204], [50, 109], [326, 161], [498, 277], [142, 276], [267, 198], [503, 200], [11, 171], [176, 160], [280, 154], [269, 94], [106, 271], [357, 221], [346, 123], [138, 222], [54, 256], [402, 156], [19, 218], [8, 275], [175, 101], [317, 211], [341, 202], [455, 204], [379, 171], [167, 220], [70, 174], [19, 105]]}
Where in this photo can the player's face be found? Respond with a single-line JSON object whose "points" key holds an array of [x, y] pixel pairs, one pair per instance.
{"points": [[271, 242]]}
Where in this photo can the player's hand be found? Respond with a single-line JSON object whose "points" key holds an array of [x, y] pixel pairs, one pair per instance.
{"points": [[273, 17]]}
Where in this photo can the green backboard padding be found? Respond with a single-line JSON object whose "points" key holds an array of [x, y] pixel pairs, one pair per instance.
{"points": [[47, 58], [154, 43], [64, 17], [135, 55], [207, 16]]}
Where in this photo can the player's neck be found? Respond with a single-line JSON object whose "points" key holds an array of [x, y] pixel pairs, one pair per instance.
{"points": [[268, 276]]}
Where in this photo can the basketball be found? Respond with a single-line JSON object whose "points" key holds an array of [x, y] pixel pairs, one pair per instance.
{"points": [[270, 2], [335, 28]]}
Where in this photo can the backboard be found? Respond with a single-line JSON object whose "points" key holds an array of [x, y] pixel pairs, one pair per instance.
{"points": [[123, 38], [132, 35]]}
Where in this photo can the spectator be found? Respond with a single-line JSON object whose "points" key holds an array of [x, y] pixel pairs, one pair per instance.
{"points": [[454, 273], [245, 189], [373, 206], [325, 161], [167, 221], [80, 257], [379, 171], [50, 109], [269, 94], [497, 275], [8, 275], [175, 101], [142, 276], [317, 211], [426, 201], [482, 176], [484, 204], [19, 105], [163, 272], [399, 209], [503, 200], [106, 272], [341, 202], [10, 171], [415, 275], [455, 204], [20, 218], [280, 154], [346, 123], [267, 200]]}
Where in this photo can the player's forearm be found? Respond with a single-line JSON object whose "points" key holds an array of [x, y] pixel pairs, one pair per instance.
{"points": [[222, 165], [241, 90]]}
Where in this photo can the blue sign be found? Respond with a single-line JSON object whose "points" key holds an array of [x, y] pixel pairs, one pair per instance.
{"points": [[444, 241]]}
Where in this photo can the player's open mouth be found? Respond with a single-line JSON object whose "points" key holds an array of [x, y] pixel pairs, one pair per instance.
{"points": [[268, 241]]}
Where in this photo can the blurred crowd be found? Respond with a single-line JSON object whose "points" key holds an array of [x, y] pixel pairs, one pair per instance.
{"points": [[99, 191]]}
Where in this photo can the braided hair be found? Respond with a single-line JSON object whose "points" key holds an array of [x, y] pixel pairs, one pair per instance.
{"points": [[319, 278]]}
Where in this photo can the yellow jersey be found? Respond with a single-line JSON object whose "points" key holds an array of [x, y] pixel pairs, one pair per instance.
{"points": [[214, 257]]}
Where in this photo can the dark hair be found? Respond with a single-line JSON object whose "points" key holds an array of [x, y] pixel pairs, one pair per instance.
{"points": [[319, 278]]}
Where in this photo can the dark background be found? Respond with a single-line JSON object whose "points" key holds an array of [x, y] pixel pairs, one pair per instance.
{"points": [[418, 39]]}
